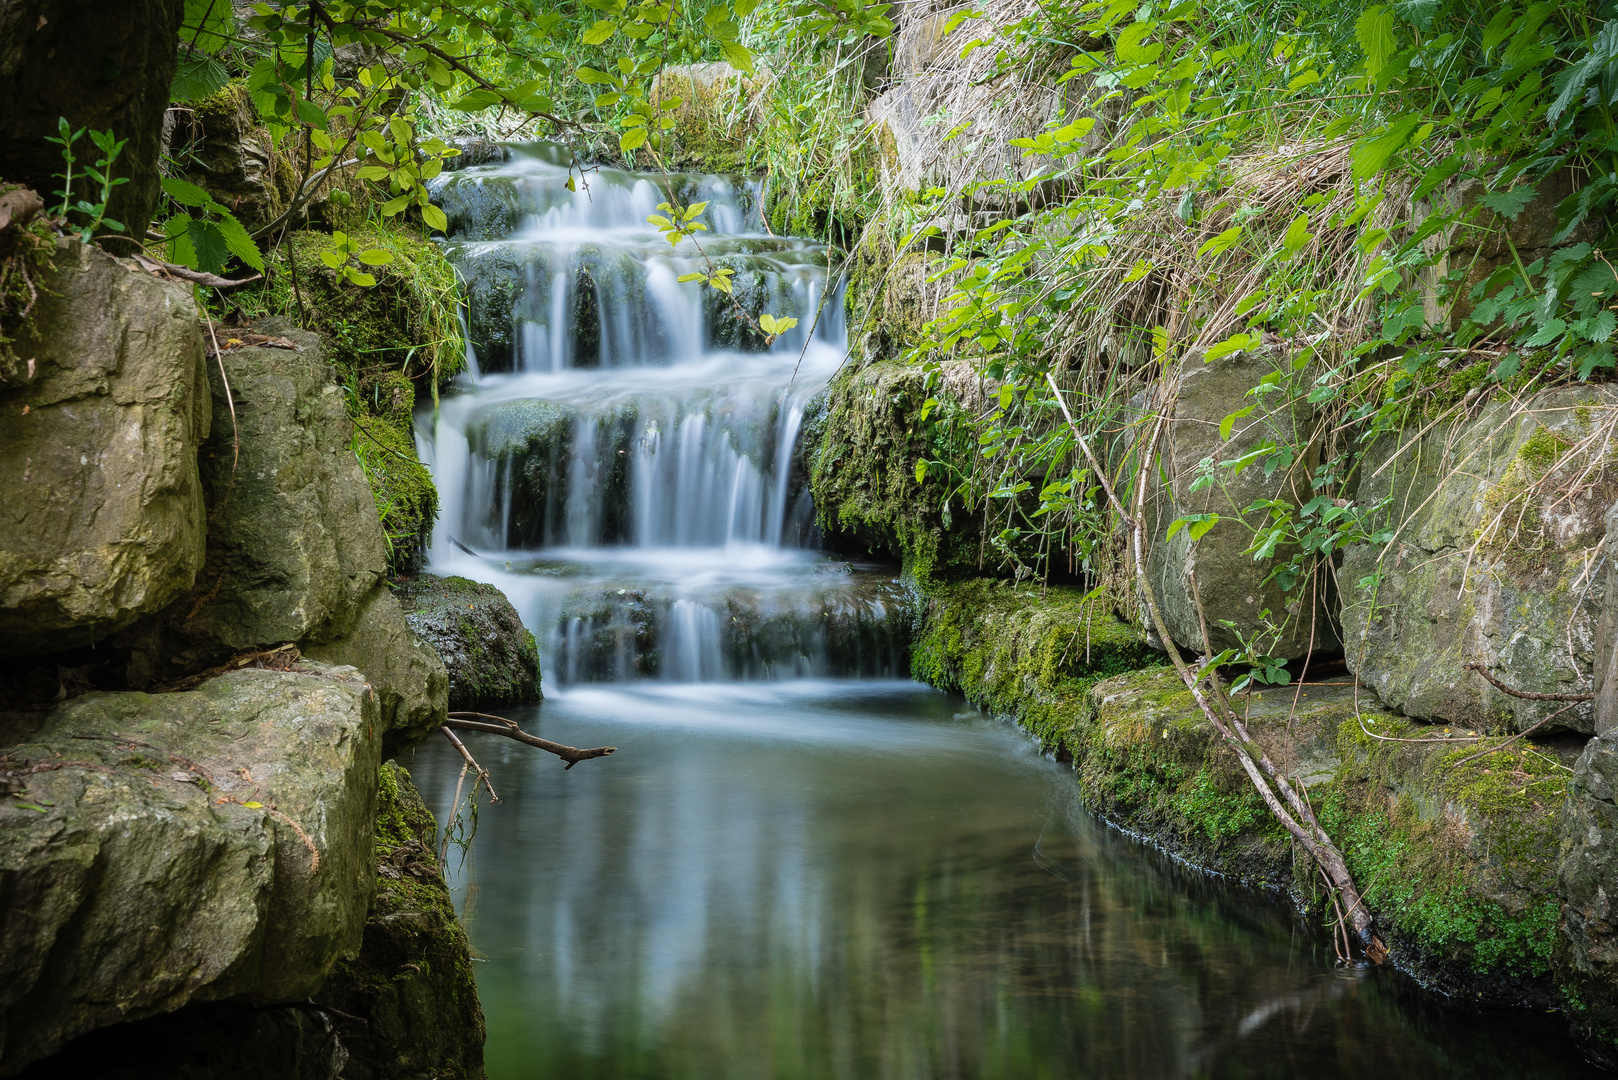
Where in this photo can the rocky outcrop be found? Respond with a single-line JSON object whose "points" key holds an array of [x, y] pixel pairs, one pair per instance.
{"points": [[295, 546], [1587, 953], [100, 503], [230, 155], [405, 1007], [187, 847], [491, 657], [1497, 525], [948, 120], [1239, 600], [1459, 859]]}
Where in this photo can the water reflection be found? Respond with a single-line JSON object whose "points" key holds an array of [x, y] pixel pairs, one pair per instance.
{"points": [[859, 880]]}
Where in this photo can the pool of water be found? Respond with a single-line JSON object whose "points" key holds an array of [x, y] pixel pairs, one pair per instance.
{"points": [[845, 879]]}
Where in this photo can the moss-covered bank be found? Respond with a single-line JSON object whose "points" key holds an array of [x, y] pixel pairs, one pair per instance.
{"points": [[1458, 859]]}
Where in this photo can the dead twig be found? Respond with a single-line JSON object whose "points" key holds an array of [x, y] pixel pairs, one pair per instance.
{"points": [[466, 755], [1525, 694], [466, 721]]}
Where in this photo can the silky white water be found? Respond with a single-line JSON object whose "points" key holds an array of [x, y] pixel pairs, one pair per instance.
{"points": [[623, 456]]}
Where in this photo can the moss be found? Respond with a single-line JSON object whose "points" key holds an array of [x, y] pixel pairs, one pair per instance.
{"points": [[407, 1005], [863, 472], [1456, 857], [25, 254]]}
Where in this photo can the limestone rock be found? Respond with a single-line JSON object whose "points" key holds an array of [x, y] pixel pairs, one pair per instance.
{"points": [[492, 658], [411, 684], [164, 851], [1499, 532], [1587, 961], [407, 1005], [1230, 583], [100, 503], [229, 155], [295, 546]]}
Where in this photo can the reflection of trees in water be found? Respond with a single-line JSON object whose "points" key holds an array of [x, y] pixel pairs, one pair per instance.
{"points": [[783, 912]]}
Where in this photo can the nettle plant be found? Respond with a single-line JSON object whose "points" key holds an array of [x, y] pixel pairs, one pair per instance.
{"points": [[1322, 184]]}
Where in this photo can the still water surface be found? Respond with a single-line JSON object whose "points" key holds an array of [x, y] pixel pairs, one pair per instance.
{"points": [[842, 879]]}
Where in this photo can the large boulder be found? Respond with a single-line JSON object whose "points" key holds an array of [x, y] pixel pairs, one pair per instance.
{"points": [[228, 153], [102, 66], [1587, 956], [174, 848], [1240, 601], [492, 658], [100, 502], [1497, 529], [295, 547]]}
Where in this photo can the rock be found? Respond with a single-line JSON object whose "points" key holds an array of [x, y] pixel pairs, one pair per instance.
{"points": [[229, 154], [1494, 560], [103, 510], [1587, 957], [492, 658], [295, 547], [294, 542], [104, 67], [171, 857], [1232, 586], [411, 684], [949, 121], [406, 1007]]}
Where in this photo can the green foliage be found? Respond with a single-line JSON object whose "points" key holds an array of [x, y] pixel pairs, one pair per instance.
{"points": [[209, 239], [92, 215]]}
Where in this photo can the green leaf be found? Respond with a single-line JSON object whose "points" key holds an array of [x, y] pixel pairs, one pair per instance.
{"points": [[695, 276], [1371, 156], [1221, 243], [185, 193], [209, 244], [395, 206], [1197, 525], [313, 115], [1499, 27], [238, 242], [1234, 344], [333, 259], [695, 209], [632, 139], [738, 56], [1297, 234], [1509, 204], [594, 77], [477, 100], [921, 470], [1228, 424], [360, 278], [376, 256], [600, 32], [30, 806], [1375, 33], [1308, 78], [198, 77], [372, 172], [1418, 13], [434, 217]]}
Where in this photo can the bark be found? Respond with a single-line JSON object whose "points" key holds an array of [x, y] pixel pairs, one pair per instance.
{"points": [[101, 65]]}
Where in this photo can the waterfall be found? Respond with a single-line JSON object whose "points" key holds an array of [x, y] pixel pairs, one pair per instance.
{"points": [[622, 455]]}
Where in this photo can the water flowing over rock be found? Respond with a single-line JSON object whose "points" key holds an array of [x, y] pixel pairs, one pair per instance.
{"points": [[1498, 533], [187, 847], [103, 507], [623, 464]]}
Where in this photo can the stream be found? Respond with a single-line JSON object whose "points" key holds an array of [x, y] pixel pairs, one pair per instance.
{"points": [[799, 863]]}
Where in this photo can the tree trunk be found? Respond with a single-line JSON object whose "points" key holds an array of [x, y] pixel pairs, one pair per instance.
{"points": [[101, 65]]}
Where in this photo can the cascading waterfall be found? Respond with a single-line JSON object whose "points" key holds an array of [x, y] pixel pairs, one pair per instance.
{"points": [[623, 458]]}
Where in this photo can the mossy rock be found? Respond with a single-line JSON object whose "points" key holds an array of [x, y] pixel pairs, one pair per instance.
{"points": [[406, 1007], [492, 658]]}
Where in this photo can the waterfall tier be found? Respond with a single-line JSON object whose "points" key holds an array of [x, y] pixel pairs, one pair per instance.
{"points": [[623, 457]]}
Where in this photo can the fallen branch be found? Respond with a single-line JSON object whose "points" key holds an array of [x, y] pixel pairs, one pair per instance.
{"points": [[471, 721], [466, 755], [1261, 771], [1525, 694], [195, 277]]}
